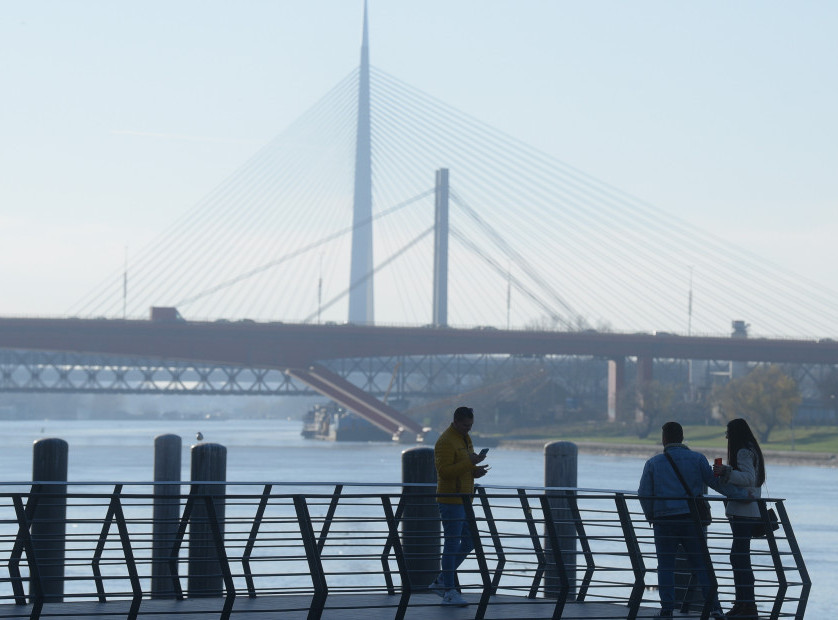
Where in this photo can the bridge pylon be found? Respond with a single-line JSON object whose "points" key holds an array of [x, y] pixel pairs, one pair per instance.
{"points": [[440, 309], [361, 309]]}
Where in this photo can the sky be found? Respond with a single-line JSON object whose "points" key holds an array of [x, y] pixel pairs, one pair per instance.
{"points": [[118, 117]]}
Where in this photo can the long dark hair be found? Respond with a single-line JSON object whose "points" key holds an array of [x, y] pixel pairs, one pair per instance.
{"points": [[739, 435]]}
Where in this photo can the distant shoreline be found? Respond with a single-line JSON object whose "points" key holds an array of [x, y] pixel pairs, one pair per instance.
{"points": [[779, 457]]}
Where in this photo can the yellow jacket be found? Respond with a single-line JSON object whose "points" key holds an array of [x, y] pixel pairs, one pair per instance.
{"points": [[454, 471]]}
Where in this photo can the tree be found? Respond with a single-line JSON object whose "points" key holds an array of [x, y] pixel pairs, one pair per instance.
{"points": [[766, 397], [650, 400], [828, 388]]}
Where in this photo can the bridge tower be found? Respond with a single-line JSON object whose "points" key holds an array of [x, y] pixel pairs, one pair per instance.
{"points": [[440, 309], [360, 271]]}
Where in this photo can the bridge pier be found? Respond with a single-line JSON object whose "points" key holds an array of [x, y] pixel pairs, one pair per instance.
{"points": [[616, 384], [644, 377]]}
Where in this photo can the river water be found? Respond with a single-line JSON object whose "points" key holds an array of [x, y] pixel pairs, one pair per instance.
{"points": [[273, 451]]}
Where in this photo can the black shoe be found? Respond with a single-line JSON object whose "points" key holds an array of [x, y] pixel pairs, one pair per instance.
{"points": [[663, 613], [744, 611]]}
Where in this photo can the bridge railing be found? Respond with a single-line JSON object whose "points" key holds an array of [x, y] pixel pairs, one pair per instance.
{"points": [[308, 546]]}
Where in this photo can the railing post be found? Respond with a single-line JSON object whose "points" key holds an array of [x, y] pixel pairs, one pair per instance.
{"points": [[791, 540], [497, 546], [100, 546], [538, 550], [553, 538], [485, 577], [166, 512], [251, 540], [49, 464], [115, 513], [174, 567], [209, 464], [23, 543], [327, 521], [587, 553], [215, 523], [392, 526], [560, 470], [392, 541], [420, 520], [635, 556], [776, 560], [315, 566]]}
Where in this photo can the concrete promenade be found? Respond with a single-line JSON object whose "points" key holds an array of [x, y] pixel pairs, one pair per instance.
{"points": [[338, 607]]}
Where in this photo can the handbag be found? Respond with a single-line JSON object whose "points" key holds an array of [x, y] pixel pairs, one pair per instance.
{"points": [[760, 530], [702, 506]]}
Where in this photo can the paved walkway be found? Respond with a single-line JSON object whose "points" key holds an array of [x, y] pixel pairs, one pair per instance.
{"points": [[338, 607]]}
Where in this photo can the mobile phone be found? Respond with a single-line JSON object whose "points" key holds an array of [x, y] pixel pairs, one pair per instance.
{"points": [[484, 451]]}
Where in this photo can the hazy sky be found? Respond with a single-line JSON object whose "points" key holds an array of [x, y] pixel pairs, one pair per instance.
{"points": [[117, 116]]}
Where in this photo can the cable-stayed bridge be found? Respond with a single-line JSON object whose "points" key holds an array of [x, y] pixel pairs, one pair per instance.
{"points": [[348, 216], [533, 242]]}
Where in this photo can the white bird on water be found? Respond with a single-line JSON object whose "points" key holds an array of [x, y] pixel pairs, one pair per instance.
{"points": [[199, 436]]}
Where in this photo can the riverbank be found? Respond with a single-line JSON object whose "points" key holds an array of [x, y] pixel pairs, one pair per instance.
{"points": [[780, 457]]}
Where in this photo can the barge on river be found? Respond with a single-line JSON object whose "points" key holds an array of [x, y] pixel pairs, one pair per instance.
{"points": [[331, 422]]}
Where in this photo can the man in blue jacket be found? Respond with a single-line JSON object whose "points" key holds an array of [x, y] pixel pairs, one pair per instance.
{"points": [[661, 497]]}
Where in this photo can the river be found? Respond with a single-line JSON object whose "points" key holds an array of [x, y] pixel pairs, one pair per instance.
{"points": [[272, 450]]}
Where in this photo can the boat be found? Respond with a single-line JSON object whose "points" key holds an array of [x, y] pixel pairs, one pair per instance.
{"points": [[331, 422]]}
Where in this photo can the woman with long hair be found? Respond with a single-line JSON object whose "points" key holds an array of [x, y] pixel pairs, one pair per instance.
{"points": [[745, 469]]}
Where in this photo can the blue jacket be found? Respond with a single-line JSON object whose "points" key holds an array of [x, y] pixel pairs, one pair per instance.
{"points": [[660, 481]]}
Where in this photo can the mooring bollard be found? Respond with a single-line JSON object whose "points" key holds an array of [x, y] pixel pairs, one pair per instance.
{"points": [[560, 470], [166, 512], [49, 464], [420, 520], [209, 464]]}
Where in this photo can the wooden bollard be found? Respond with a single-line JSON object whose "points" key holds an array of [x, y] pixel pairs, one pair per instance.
{"points": [[560, 470], [49, 520], [166, 512], [420, 520], [209, 464]]}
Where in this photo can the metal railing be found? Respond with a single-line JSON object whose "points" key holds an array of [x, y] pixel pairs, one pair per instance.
{"points": [[301, 546]]}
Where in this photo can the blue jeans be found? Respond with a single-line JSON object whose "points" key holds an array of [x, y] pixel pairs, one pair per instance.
{"points": [[740, 557], [669, 533], [457, 544]]}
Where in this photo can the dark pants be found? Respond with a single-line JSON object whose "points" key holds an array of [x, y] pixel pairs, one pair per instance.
{"points": [[740, 557], [458, 542], [669, 533]]}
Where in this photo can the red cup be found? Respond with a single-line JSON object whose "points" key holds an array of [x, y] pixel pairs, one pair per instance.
{"points": [[718, 462]]}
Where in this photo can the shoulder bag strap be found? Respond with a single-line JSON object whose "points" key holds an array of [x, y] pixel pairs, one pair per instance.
{"points": [[678, 473]]}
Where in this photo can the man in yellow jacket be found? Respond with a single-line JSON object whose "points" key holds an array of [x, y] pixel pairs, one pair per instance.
{"points": [[456, 468]]}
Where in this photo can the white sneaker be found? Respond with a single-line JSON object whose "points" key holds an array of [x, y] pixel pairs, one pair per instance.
{"points": [[452, 597], [437, 587]]}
